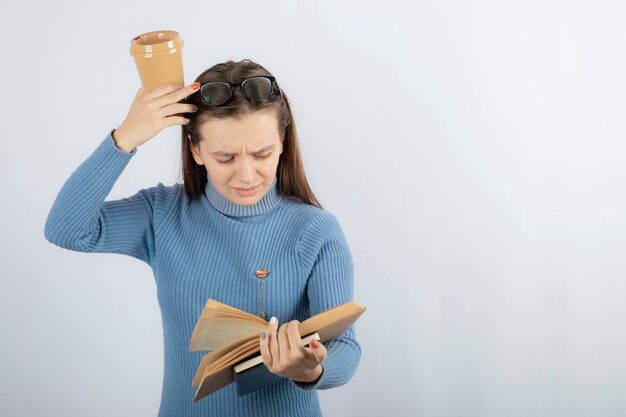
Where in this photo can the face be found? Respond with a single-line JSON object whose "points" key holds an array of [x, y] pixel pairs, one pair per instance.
{"points": [[240, 155]]}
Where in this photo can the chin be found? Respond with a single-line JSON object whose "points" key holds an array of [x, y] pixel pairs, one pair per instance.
{"points": [[248, 201]]}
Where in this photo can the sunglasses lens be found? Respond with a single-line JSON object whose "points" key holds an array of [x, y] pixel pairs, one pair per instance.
{"points": [[257, 88], [215, 93]]}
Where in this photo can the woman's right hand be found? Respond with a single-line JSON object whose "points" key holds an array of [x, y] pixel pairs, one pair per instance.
{"points": [[148, 114]]}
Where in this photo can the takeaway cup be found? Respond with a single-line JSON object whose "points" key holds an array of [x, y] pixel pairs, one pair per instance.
{"points": [[159, 58]]}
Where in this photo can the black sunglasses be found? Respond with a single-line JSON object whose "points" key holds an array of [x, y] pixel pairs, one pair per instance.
{"points": [[255, 89]]}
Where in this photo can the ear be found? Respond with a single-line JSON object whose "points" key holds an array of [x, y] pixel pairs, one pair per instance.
{"points": [[194, 151]]}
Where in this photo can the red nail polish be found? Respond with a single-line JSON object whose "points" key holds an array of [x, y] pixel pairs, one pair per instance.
{"points": [[314, 344], [195, 85]]}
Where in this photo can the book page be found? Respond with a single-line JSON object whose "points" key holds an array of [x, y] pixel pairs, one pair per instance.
{"points": [[214, 333]]}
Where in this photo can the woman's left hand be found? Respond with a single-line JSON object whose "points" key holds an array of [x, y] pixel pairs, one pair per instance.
{"points": [[284, 353]]}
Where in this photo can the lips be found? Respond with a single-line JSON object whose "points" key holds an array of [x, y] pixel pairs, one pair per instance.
{"points": [[247, 189], [248, 192]]}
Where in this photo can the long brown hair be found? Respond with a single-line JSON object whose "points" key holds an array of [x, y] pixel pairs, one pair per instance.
{"points": [[290, 171]]}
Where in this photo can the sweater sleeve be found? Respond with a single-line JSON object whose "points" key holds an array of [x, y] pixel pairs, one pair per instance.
{"points": [[82, 221], [324, 252]]}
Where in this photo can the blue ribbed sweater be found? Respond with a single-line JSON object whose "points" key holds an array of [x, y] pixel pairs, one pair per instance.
{"points": [[210, 248]]}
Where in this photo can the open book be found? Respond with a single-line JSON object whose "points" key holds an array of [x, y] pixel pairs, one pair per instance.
{"points": [[233, 335]]}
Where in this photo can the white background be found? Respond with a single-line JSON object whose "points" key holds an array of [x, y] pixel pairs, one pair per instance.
{"points": [[473, 152]]}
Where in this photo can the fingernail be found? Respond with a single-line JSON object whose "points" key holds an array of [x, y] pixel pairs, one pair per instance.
{"points": [[263, 335], [273, 320], [195, 85], [314, 344]]}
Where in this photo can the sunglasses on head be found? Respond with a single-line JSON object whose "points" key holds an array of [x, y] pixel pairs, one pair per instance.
{"points": [[255, 89]]}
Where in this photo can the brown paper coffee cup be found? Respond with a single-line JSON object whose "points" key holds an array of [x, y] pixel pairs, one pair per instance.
{"points": [[159, 58]]}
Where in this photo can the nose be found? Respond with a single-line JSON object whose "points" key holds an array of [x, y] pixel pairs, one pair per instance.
{"points": [[246, 170]]}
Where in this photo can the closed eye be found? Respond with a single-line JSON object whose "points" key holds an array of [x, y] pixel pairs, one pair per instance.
{"points": [[227, 161]]}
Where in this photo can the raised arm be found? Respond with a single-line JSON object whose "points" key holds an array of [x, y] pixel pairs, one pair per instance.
{"points": [[81, 220]]}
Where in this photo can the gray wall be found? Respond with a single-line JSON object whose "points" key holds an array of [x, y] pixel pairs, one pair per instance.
{"points": [[472, 151]]}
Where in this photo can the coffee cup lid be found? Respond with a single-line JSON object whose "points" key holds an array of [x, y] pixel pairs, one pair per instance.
{"points": [[159, 42]]}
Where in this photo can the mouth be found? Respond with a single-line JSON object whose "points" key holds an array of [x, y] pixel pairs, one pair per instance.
{"points": [[249, 188]]}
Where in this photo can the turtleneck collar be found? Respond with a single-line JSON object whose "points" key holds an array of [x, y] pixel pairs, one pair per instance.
{"points": [[271, 198]]}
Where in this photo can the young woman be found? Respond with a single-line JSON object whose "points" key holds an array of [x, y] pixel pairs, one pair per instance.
{"points": [[244, 228]]}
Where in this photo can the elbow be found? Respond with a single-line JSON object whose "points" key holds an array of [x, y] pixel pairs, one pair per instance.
{"points": [[60, 236], [354, 349], [356, 359], [50, 232], [54, 236]]}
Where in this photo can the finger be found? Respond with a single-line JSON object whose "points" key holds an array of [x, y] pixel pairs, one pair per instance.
{"points": [[265, 351], [319, 350], [173, 121], [273, 342], [177, 94], [178, 109], [163, 90], [283, 343], [293, 334]]}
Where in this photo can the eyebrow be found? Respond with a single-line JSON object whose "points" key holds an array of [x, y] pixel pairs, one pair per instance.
{"points": [[263, 149]]}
